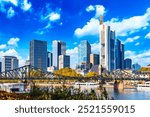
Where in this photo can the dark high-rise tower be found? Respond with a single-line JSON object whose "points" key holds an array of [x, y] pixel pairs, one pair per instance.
{"points": [[119, 55], [38, 54], [122, 56], [128, 63], [49, 59]]}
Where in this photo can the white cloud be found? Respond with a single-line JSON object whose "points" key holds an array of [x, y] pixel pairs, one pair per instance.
{"points": [[129, 40], [48, 26], [90, 8], [90, 29], [50, 15], [100, 10], [10, 13], [6, 50], [137, 44], [13, 41], [72, 51], [95, 48], [143, 57], [50, 18], [9, 52], [133, 24], [25, 5], [54, 16], [14, 2], [122, 27], [13, 52], [39, 32], [148, 36], [2, 46], [73, 56]]}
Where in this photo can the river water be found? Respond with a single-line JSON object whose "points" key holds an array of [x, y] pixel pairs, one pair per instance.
{"points": [[128, 94]]}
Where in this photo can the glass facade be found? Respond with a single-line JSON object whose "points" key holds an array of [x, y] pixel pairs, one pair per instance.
{"points": [[136, 67], [111, 49], [84, 51], [0, 66], [64, 61], [38, 54], [122, 56], [128, 63], [117, 54], [49, 59], [59, 48]]}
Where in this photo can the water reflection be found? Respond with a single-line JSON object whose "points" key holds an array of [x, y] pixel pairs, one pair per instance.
{"points": [[128, 94]]}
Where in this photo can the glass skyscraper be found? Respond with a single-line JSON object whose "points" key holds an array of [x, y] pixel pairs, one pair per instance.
{"points": [[128, 63], [119, 55], [84, 51], [112, 51], [59, 48], [107, 46], [49, 59], [0, 66], [122, 56], [38, 54], [136, 67]]}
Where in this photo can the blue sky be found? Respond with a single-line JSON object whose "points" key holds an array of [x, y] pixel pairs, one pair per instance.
{"points": [[72, 21]]}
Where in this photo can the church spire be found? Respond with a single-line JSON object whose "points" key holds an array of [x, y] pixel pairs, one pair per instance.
{"points": [[101, 20]]}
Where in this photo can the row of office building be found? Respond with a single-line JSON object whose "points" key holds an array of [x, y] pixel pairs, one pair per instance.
{"points": [[57, 59], [111, 54], [43, 59], [112, 50]]}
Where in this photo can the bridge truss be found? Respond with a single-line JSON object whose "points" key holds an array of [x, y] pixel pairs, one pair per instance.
{"points": [[29, 72]]}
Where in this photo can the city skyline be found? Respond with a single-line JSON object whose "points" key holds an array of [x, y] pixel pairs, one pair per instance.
{"points": [[51, 20]]}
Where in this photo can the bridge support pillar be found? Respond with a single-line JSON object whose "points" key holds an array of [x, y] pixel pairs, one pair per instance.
{"points": [[119, 85]]}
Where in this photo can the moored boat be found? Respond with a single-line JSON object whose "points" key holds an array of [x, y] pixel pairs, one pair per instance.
{"points": [[143, 87]]}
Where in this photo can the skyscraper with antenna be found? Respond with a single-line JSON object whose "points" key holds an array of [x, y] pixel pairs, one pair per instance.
{"points": [[107, 46]]}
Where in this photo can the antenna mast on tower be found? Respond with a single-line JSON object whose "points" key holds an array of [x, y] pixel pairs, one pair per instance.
{"points": [[101, 19]]}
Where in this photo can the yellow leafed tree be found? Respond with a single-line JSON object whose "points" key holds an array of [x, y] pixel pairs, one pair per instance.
{"points": [[67, 72], [92, 74]]}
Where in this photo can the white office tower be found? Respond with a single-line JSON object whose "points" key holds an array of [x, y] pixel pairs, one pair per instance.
{"points": [[107, 46], [9, 63]]}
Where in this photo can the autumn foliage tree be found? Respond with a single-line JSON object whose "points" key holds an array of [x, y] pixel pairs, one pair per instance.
{"points": [[145, 69], [67, 72], [92, 74]]}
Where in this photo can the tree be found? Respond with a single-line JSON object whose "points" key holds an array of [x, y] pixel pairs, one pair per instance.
{"points": [[92, 74], [67, 72], [36, 74]]}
